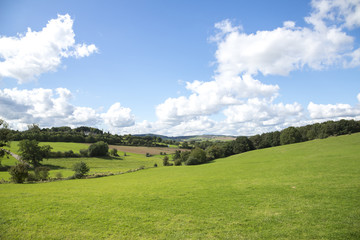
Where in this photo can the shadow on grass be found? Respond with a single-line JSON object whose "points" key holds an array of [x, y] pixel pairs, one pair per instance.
{"points": [[4, 168], [53, 167], [110, 158]]}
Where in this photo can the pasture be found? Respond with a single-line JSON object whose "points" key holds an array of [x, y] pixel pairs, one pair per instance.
{"points": [[309, 190], [135, 158]]}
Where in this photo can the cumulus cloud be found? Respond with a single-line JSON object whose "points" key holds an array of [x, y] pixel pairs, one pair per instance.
{"points": [[334, 111], [263, 112], [210, 97], [25, 57], [49, 108], [247, 103], [118, 116]]}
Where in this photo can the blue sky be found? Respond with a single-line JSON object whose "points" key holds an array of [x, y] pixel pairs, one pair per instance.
{"points": [[179, 67]]}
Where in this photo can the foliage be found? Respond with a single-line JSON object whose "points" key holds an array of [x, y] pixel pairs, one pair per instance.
{"points": [[98, 149], [290, 135], [166, 161], [42, 173], [4, 138], [19, 172], [32, 153], [113, 152], [81, 169], [83, 152], [197, 156]]}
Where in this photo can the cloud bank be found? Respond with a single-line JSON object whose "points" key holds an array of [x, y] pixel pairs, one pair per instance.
{"points": [[49, 108], [26, 57]]}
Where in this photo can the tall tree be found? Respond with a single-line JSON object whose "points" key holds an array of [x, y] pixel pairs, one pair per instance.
{"points": [[32, 153], [4, 138]]}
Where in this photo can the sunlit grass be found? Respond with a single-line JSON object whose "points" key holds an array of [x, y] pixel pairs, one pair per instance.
{"points": [[302, 191]]}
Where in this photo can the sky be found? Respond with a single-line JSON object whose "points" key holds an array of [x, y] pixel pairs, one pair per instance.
{"points": [[176, 68]]}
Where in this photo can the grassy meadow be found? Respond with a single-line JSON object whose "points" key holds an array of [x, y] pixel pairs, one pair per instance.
{"points": [[97, 165], [308, 190]]}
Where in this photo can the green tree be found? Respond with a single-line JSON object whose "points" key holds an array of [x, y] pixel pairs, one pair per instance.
{"points": [[81, 169], [197, 156], [4, 138], [166, 161], [290, 135], [19, 172], [98, 149], [32, 153]]}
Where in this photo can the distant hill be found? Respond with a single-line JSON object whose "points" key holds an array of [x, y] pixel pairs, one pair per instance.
{"points": [[191, 138]]}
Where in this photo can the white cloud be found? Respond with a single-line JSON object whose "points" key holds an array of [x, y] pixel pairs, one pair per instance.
{"points": [[333, 111], [263, 112], [282, 50], [25, 57], [210, 97], [49, 108], [344, 12], [247, 103], [118, 116]]}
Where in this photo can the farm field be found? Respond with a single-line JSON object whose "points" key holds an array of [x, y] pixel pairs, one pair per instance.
{"points": [[308, 190], [135, 158]]}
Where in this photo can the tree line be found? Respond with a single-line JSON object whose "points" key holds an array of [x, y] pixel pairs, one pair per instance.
{"points": [[206, 151], [85, 135]]}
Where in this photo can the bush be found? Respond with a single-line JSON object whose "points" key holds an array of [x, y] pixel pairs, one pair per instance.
{"points": [[19, 172], [42, 173], [113, 152], [31, 177], [81, 169], [58, 175], [192, 161], [98, 149], [177, 162], [166, 161], [83, 152]]}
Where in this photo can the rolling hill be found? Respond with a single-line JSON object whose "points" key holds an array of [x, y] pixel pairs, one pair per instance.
{"points": [[309, 190]]}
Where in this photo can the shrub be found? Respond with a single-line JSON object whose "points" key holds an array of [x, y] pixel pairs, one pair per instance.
{"points": [[98, 149], [58, 175], [83, 152], [192, 161], [113, 152], [19, 172], [31, 177], [177, 162], [81, 169], [42, 173], [166, 161]]}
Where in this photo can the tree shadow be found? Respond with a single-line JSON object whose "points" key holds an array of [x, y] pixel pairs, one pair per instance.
{"points": [[4, 168], [53, 167], [110, 158]]}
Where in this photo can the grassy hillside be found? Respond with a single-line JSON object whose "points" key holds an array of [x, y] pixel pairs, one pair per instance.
{"points": [[309, 190], [97, 165]]}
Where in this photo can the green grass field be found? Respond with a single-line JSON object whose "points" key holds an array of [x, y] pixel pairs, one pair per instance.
{"points": [[97, 165], [309, 190]]}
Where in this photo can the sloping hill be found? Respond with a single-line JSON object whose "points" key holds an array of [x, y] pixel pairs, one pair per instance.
{"points": [[309, 190]]}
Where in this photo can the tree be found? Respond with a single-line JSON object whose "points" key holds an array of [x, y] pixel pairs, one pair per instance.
{"points": [[290, 135], [19, 172], [4, 138], [32, 153], [197, 156], [81, 169], [113, 152], [166, 161], [98, 149]]}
